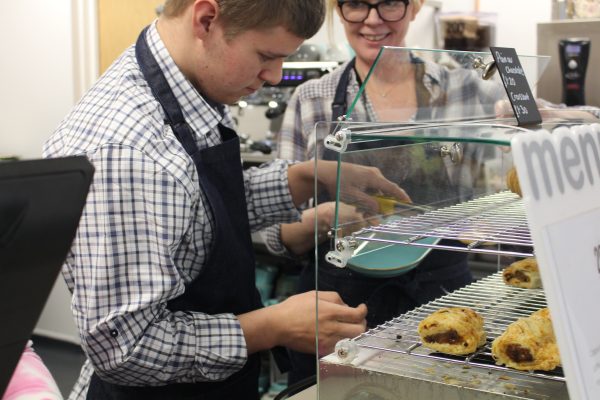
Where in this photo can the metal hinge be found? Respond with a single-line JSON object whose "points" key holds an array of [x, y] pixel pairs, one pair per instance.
{"points": [[453, 151], [338, 141], [344, 248]]}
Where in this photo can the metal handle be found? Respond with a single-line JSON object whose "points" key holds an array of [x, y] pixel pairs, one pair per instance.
{"points": [[489, 69], [346, 350], [453, 151], [342, 252]]}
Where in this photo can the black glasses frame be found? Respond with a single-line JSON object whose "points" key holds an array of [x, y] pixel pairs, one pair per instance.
{"points": [[370, 6]]}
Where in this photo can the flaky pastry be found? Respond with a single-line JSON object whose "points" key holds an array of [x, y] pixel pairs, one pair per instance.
{"points": [[455, 330], [528, 344], [512, 181], [523, 273]]}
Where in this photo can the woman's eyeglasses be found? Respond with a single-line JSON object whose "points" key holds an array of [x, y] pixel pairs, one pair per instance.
{"points": [[358, 10]]}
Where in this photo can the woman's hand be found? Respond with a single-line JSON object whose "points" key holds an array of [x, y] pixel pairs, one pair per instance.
{"points": [[359, 183], [503, 109]]}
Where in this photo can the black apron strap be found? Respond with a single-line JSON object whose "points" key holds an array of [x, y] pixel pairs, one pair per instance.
{"points": [[152, 72], [339, 107]]}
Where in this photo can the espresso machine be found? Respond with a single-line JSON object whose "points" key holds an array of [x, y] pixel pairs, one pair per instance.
{"points": [[574, 55], [259, 116]]}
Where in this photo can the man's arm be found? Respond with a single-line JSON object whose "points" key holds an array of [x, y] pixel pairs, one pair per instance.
{"points": [[299, 237], [141, 239]]}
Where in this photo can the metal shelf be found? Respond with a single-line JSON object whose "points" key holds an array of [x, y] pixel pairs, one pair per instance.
{"points": [[493, 224], [498, 304]]}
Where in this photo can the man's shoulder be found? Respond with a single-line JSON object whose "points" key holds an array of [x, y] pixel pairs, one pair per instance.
{"points": [[119, 109], [121, 89]]}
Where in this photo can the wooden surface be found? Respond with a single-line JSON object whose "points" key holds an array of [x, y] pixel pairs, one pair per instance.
{"points": [[119, 24]]}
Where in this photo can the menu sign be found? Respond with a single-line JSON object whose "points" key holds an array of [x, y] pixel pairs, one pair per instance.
{"points": [[561, 186], [517, 88]]}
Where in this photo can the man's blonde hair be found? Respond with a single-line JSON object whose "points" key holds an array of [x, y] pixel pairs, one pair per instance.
{"points": [[301, 18]]}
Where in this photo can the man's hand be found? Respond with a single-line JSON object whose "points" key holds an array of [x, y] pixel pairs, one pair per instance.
{"points": [[349, 219], [297, 321], [299, 237], [293, 322]]}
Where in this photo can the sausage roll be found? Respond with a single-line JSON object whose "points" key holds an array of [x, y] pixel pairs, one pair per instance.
{"points": [[523, 273], [528, 344], [456, 330], [512, 182], [465, 237]]}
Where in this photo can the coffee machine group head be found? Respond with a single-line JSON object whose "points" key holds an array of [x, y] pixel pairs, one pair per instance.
{"points": [[574, 55]]}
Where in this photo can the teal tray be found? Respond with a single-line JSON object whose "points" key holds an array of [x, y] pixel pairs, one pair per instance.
{"points": [[387, 260]]}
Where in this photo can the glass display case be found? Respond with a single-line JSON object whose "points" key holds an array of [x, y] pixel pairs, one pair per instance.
{"points": [[419, 184]]}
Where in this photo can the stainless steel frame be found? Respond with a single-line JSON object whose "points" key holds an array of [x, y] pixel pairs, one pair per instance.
{"points": [[392, 359], [489, 224]]}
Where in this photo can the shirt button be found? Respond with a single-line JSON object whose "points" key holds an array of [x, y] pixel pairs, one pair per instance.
{"points": [[114, 333]]}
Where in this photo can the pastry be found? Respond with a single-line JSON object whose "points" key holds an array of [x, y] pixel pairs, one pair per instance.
{"points": [[523, 273], [456, 330], [528, 344], [512, 182], [475, 236]]}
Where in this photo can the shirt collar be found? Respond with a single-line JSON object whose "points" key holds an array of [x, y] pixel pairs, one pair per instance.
{"points": [[432, 79], [196, 110]]}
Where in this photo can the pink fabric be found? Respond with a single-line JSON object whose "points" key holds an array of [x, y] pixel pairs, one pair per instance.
{"points": [[31, 380]]}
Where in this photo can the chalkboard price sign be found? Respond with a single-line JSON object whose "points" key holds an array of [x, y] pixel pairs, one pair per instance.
{"points": [[517, 88]]}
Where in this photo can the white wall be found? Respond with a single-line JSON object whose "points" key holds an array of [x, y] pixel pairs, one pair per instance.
{"points": [[36, 73], [37, 90]]}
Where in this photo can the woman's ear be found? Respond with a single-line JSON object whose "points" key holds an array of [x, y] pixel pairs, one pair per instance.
{"points": [[416, 6], [204, 13]]}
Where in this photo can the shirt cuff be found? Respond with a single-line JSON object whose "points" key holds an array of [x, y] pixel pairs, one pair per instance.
{"points": [[271, 236], [269, 198]]}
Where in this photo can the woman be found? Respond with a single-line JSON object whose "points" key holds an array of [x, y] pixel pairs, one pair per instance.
{"points": [[399, 95]]}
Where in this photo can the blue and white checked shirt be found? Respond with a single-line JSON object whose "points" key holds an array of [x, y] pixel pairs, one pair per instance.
{"points": [[146, 231]]}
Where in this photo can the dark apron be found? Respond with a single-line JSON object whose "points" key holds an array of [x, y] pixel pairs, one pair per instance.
{"points": [[215, 290], [439, 272]]}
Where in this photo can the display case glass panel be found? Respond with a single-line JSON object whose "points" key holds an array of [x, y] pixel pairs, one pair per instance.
{"points": [[437, 85], [406, 256]]}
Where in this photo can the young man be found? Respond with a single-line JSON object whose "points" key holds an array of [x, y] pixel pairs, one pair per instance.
{"points": [[162, 268]]}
